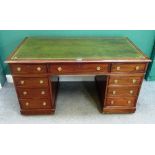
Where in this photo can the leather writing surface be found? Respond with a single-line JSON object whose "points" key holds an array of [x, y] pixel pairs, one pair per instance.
{"points": [[77, 48]]}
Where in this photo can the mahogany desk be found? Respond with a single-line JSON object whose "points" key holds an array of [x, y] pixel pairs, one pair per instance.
{"points": [[36, 60]]}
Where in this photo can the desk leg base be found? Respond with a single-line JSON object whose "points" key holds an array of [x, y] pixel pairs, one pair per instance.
{"points": [[111, 110], [38, 112]]}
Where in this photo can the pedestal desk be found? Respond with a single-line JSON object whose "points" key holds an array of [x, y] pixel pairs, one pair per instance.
{"points": [[38, 60]]}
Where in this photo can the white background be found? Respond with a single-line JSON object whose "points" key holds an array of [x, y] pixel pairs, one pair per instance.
{"points": [[77, 15]]}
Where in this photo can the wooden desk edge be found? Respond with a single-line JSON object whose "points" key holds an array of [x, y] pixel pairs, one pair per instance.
{"points": [[75, 61]]}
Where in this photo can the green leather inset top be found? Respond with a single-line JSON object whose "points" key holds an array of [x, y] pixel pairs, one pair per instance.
{"points": [[77, 48]]}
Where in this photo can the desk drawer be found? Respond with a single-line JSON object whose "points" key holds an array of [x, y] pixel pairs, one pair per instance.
{"points": [[128, 67], [28, 69], [123, 101], [35, 103], [92, 68], [33, 93], [122, 91], [31, 82], [125, 80]]}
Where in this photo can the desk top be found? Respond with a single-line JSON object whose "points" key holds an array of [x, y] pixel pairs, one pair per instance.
{"points": [[76, 49]]}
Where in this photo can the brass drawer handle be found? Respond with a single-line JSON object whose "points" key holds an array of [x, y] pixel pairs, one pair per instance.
{"points": [[115, 81], [112, 102], [129, 102], [59, 69], [41, 81], [134, 81], [114, 92], [44, 103], [22, 82], [25, 93], [18, 69], [98, 68], [38, 68], [27, 103], [118, 68], [42, 92], [137, 67], [131, 91]]}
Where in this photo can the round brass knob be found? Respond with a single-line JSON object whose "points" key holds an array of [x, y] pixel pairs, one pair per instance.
{"points": [[114, 92], [131, 91], [134, 81], [25, 93], [42, 92], [112, 102], [115, 81], [98, 68], [41, 81], [118, 68], [18, 69], [44, 103], [27, 103], [38, 68], [59, 69], [129, 102], [137, 67], [22, 82]]}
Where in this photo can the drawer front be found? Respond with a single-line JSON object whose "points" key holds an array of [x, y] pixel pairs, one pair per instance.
{"points": [[28, 69], [122, 91], [33, 93], [31, 82], [78, 68], [126, 101], [127, 67], [125, 80], [35, 104]]}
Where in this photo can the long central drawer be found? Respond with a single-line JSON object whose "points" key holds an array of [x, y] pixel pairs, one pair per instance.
{"points": [[78, 68]]}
